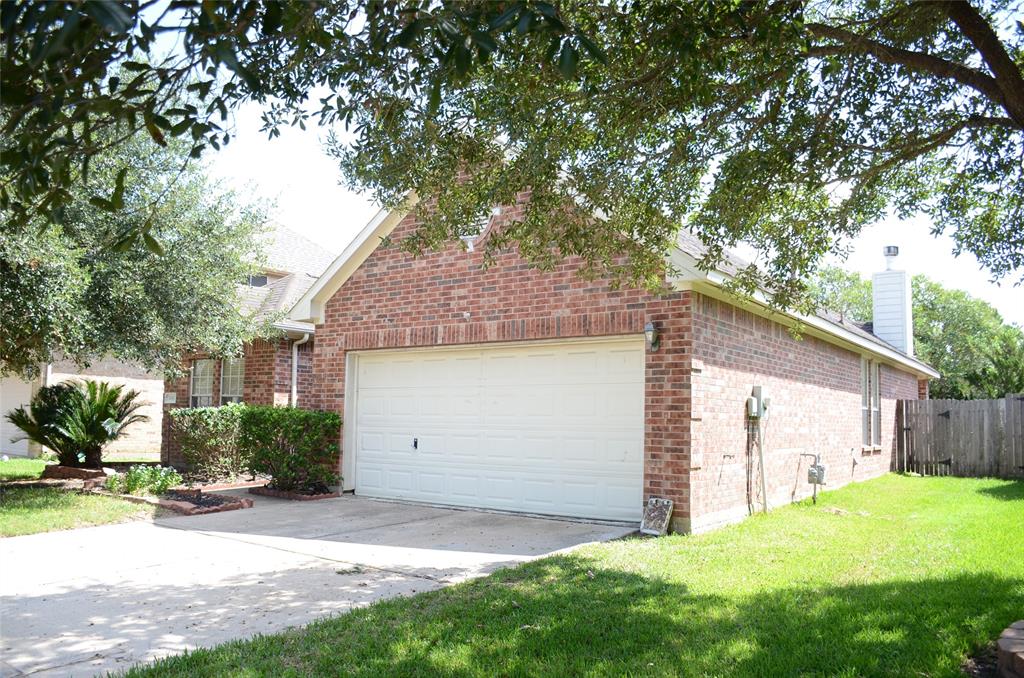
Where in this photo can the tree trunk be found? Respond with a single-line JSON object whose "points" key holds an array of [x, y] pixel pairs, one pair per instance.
{"points": [[93, 457]]}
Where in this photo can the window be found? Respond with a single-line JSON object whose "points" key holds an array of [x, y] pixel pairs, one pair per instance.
{"points": [[257, 281], [232, 377], [870, 404], [202, 383]]}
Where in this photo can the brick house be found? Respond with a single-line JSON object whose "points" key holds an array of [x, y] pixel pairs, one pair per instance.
{"points": [[272, 370], [515, 389]]}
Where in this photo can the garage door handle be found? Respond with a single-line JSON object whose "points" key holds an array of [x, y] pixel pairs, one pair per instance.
{"points": [[415, 443]]}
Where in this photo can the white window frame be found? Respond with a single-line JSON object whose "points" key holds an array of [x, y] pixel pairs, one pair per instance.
{"points": [[876, 405], [870, 404], [201, 383], [232, 380]]}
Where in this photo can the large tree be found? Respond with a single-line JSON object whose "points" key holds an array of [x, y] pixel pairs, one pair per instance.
{"points": [[965, 339], [788, 125], [142, 274]]}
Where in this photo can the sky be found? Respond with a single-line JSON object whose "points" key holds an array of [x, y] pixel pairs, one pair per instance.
{"points": [[303, 185]]}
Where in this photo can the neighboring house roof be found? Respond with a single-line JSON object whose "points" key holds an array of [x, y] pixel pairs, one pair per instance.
{"points": [[689, 251], [299, 261], [288, 252]]}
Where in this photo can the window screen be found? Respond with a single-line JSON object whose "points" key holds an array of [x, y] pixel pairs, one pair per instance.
{"points": [[232, 378], [202, 383]]}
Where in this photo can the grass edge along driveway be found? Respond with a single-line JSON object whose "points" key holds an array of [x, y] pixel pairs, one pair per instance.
{"points": [[32, 510], [895, 576]]}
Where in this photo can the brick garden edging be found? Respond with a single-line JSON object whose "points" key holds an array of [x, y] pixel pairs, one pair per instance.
{"points": [[184, 507], [58, 472], [280, 494], [1010, 651]]}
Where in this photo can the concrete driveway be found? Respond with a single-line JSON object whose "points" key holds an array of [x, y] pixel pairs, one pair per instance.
{"points": [[99, 599]]}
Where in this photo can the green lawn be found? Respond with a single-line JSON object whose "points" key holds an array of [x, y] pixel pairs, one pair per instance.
{"points": [[28, 510], [899, 576], [21, 469]]}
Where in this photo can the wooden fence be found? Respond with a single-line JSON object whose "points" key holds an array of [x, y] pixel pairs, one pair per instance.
{"points": [[974, 438]]}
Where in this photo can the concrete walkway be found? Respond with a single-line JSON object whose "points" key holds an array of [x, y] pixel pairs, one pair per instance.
{"points": [[99, 599]]}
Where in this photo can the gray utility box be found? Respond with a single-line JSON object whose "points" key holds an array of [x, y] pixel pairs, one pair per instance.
{"points": [[816, 474]]}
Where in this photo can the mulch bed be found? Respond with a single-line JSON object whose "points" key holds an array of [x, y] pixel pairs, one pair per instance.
{"points": [[190, 504], [296, 496]]}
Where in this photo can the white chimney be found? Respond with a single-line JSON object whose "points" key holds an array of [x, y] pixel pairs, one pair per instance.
{"points": [[891, 309]]}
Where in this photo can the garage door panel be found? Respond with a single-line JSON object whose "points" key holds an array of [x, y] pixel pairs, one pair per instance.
{"points": [[548, 429]]}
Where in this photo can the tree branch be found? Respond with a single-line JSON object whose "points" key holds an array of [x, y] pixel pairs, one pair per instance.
{"points": [[1007, 73], [921, 61]]}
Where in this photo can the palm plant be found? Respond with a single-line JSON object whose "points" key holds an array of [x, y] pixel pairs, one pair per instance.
{"points": [[77, 419]]}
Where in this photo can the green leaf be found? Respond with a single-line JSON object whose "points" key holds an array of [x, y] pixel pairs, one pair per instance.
{"points": [[117, 199], [434, 102], [102, 203], [272, 18], [152, 244], [125, 242], [155, 132], [505, 17], [407, 36], [567, 60], [592, 49]]}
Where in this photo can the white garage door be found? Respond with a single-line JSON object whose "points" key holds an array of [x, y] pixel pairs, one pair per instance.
{"points": [[13, 393], [543, 428]]}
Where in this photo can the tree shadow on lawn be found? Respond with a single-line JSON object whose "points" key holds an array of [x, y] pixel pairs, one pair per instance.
{"points": [[567, 616], [1011, 490]]}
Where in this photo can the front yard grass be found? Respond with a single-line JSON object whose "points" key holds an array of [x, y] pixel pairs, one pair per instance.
{"points": [[21, 469], [898, 576], [28, 510]]}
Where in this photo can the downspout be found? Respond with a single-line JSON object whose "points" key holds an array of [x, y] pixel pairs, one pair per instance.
{"points": [[294, 400]]}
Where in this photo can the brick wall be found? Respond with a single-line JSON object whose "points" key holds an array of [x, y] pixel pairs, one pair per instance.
{"points": [[711, 351], [395, 300], [267, 382], [815, 390]]}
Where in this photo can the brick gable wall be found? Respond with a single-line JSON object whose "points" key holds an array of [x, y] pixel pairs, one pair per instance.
{"points": [[394, 300], [711, 353]]}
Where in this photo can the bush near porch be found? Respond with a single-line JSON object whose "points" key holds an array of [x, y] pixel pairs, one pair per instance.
{"points": [[897, 576], [297, 448]]}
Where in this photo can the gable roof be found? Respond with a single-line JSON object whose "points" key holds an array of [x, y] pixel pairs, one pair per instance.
{"points": [[299, 261], [288, 252], [689, 249]]}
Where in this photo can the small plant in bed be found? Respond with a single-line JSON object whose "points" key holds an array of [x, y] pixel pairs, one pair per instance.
{"points": [[144, 480], [297, 449]]}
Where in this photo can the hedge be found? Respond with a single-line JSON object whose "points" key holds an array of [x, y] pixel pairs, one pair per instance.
{"points": [[297, 448], [208, 437]]}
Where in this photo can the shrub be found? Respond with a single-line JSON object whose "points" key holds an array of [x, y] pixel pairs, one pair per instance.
{"points": [[76, 419], [208, 437], [144, 480], [297, 448]]}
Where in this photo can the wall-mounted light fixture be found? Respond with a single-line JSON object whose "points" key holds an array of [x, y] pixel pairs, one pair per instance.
{"points": [[652, 335]]}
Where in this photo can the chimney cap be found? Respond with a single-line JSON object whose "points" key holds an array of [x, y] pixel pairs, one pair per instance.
{"points": [[891, 251]]}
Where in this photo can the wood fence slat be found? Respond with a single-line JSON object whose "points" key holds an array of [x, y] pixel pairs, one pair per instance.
{"points": [[977, 438]]}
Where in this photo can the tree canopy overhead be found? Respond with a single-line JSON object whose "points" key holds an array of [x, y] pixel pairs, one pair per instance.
{"points": [[787, 125]]}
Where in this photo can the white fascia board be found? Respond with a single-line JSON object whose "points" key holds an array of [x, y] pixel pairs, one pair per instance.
{"points": [[693, 278], [310, 308]]}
